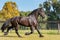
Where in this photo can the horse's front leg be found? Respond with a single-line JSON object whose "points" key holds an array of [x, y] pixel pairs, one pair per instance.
{"points": [[6, 33], [32, 30], [40, 35], [16, 30]]}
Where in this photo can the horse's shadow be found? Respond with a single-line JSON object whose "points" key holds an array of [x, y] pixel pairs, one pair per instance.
{"points": [[7, 36], [11, 36]]}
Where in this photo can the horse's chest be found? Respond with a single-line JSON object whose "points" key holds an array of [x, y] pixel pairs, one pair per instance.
{"points": [[33, 21]]}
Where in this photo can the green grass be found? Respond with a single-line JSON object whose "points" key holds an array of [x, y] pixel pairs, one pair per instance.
{"points": [[48, 35]]}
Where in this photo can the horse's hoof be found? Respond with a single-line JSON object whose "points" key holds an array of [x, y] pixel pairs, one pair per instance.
{"points": [[26, 33], [20, 36], [41, 36], [5, 33]]}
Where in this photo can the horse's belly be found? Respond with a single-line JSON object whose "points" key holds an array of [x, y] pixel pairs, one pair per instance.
{"points": [[24, 22]]}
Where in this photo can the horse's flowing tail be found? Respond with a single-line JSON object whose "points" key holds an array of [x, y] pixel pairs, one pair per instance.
{"points": [[5, 25]]}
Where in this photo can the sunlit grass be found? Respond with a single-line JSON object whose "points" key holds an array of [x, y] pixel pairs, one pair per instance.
{"points": [[12, 35]]}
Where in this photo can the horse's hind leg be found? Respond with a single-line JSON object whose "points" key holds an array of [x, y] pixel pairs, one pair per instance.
{"points": [[32, 30], [8, 30], [40, 35]]}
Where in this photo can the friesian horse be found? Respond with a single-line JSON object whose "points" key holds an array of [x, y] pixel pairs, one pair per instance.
{"points": [[29, 21]]}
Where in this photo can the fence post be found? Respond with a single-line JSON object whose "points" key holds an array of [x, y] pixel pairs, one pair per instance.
{"points": [[58, 27]]}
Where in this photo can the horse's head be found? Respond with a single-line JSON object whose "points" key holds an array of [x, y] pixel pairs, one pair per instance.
{"points": [[3, 27], [41, 12]]}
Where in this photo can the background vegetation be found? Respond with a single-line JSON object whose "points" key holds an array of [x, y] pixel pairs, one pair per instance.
{"points": [[51, 7]]}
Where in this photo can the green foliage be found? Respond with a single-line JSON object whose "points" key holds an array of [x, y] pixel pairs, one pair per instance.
{"points": [[22, 13], [47, 5], [55, 4]]}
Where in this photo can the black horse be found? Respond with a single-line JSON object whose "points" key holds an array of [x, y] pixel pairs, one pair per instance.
{"points": [[29, 21]]}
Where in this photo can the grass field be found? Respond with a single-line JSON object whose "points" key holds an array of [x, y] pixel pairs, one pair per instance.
{"points": [[48, 35]]}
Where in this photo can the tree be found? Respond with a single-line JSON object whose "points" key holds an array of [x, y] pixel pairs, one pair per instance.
{"points": [[52, 14], [55, 5], [47, 6], [53, 1], [9, 10]]}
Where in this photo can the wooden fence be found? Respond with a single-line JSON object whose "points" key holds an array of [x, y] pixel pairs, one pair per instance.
{"points": [[57, 22]]}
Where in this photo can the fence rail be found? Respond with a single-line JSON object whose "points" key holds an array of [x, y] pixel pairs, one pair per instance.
{"points": [[57, 22], [49, 22]]}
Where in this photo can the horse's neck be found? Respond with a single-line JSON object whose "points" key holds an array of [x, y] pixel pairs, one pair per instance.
{"points": [[34, 15]]}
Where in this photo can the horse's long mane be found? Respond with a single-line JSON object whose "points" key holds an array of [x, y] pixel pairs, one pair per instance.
{"points": [[32, 12]]}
